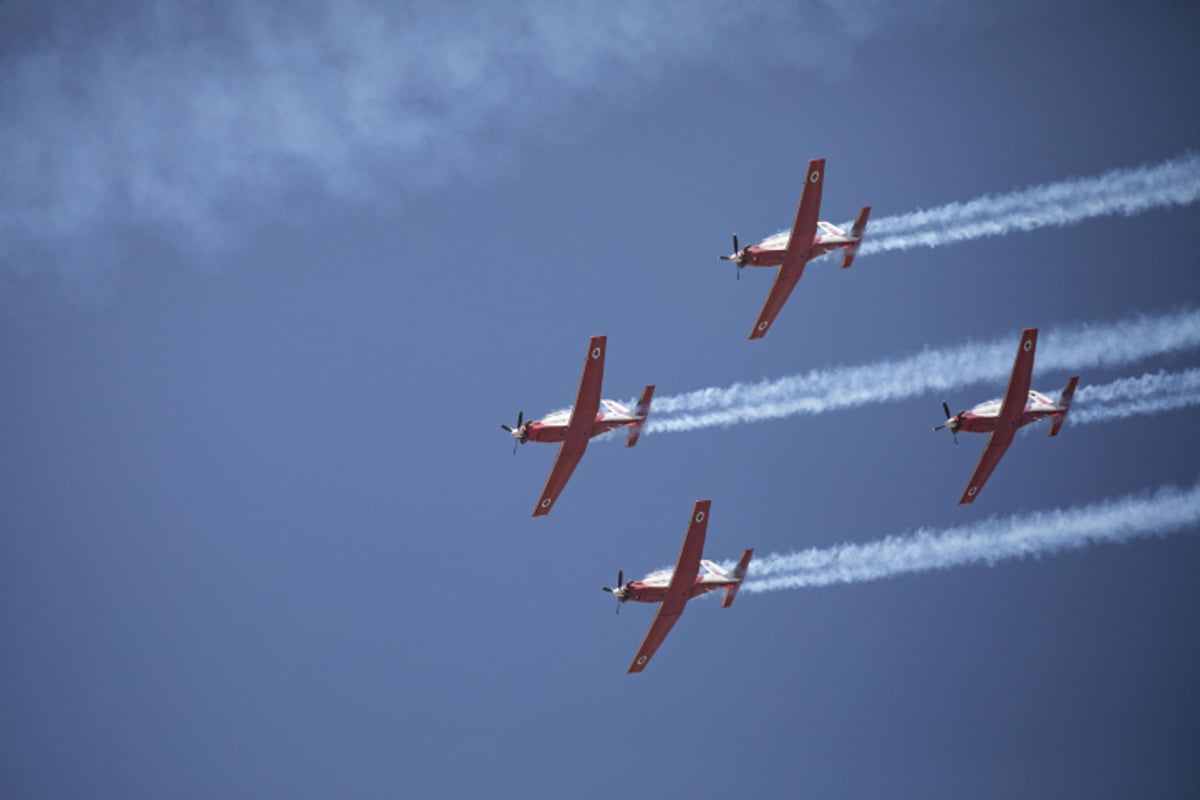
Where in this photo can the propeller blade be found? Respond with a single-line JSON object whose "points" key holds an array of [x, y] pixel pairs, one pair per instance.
{"points": [[736, 252], [520, 419], [505, 427], [606, 589], [620, 578], [952, 422]]}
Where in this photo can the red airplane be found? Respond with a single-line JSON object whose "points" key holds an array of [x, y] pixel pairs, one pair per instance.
{"points": [[573, 428], [674, 589], [803, 245], [1001, 418]]}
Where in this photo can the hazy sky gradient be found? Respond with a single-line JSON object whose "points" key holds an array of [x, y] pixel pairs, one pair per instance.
{"points": [[273, 274]]}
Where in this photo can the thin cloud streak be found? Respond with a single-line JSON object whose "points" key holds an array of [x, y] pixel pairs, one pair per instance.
{"points": [[192, 119], [1167, 510]]}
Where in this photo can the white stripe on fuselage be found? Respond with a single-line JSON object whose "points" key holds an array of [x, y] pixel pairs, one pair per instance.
{"points": [[662, 578], [1037, 402], [563, 418]]}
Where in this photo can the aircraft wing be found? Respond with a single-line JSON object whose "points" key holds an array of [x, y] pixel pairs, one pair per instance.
{"points": [[579, 428], [996, 447], [1012, 408], [682, 581], [569, 453], [785, 280], [587, 400], [804, 229], [1016, 397], [654, 637]]}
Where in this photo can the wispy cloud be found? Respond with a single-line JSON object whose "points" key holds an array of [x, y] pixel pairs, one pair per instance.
{"points": [[195, 117], [1076, 348], [1168, 510]]}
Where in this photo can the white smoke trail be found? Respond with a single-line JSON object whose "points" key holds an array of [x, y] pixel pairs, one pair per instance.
{"points": [[1121, 191], [1078, 347], [1124, 191], [1145, 408], [1168, 510], [1152, 393]]}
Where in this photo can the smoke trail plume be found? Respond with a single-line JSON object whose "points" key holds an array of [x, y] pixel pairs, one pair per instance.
{"points": [[1127, 389], [1124, 191], [1168, 510], [1078, 347], [1152, 393]]}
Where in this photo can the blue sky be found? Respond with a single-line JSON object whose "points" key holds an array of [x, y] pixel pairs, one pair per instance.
{"points": [[273, 276]]}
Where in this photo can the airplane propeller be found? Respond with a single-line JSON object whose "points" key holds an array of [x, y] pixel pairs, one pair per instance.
{"points": [[736, 258], [620, 584], [519, 432], [952, 422]]}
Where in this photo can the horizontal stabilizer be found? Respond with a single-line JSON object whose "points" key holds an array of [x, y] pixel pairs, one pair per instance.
{"points": [[739, 572], [643, 411], [856, 234], [1064, 401]]}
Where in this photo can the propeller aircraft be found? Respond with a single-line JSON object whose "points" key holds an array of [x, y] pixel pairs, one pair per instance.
{"points": [[803, 245], [1001, 418], [573, 427], [673, 590]]}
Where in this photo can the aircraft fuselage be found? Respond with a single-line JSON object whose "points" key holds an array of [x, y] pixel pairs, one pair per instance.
{"points": [[654, 590], [756, 256], [556, 431], [982, 418]]}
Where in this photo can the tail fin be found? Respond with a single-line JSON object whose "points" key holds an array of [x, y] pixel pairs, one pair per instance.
{"points": [[1065, 400], [643, 411], [856, 233], [739, 572]]}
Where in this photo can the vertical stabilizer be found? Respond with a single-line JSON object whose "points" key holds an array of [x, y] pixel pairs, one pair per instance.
{"points": [[739, 572], [856, 233], [643, 411], [1064, 401]]}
